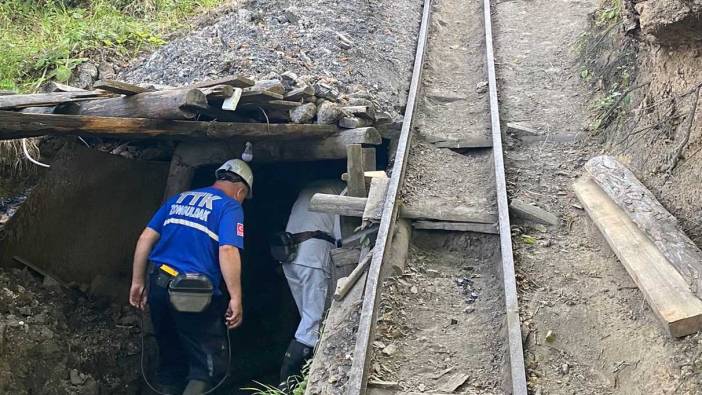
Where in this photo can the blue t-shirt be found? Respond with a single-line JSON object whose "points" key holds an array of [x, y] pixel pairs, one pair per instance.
{"points": [[193, 225]]}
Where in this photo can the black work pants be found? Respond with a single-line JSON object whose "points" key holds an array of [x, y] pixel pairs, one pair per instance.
{"points": [[192, 346]]}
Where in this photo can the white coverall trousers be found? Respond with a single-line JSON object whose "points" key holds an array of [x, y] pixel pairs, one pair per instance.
{"points": [[309, 289]]}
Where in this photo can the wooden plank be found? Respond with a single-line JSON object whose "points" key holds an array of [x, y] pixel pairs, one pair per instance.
{"points": [[661, 227], [234, 80], [665, 290], [218, 92], [53, 86], [259, 97], [120, 88], [15, 125], [299, 93], [358, 375], [180, 174], [457, 226], [354, 122], [369, 175], [46, 99], [354, 164], [532, 213], [369, 161], [465, 143], [376, 200], [344, 285], [231, 102], [354, 207], [166, 104]]}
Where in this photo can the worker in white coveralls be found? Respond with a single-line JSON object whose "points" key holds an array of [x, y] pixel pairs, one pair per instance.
{"points": [[307, 268]]}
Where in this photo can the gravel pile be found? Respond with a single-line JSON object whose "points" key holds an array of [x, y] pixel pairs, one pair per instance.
{"points": [[353, 45]]}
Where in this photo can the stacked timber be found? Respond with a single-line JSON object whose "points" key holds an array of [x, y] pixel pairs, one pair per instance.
{"points": [[235, 106]]}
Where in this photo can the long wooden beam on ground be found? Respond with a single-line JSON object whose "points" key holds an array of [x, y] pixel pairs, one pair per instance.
{"points": [[515, 351], [349, 206], [650, 216], [15, 125], [358, 375], [665, 290]]}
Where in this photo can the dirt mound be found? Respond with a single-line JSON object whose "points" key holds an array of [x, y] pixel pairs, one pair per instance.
{"points": [[56, 341], [671, 22]]}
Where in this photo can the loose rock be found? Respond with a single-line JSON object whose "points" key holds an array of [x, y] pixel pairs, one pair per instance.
{"points": [[328, 113], [304, 113]]}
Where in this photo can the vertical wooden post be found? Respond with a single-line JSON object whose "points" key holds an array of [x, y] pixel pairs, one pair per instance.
{"points": [[180, 174], [369, 162], [356, 183]]}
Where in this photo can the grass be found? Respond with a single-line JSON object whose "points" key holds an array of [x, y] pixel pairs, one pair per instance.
{"points": [[47, 39]]}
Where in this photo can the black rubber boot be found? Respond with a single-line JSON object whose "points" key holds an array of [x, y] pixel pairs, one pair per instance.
{"points": [[295, 358], [196, 387]]}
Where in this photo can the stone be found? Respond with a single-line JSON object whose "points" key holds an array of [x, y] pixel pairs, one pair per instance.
{"points": [[244, 15], [353, 123], [75, 378], [326, 91], [328, 113], [84, 75], [414, 289], [550, 336], [481, 87], [106, 71], [565, 368], [304, 113], [390, 349]]}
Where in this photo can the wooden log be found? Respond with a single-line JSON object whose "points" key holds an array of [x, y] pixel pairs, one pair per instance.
{"points": [[46, 99], [661, 227], [457, 226], [15, 125], [356, 183], [665, 290], [120, 88], [376, 200], [355, 207], [299, 93], [235, 81], [369, 161], [529, 212], [344, 285], [167, 104]]}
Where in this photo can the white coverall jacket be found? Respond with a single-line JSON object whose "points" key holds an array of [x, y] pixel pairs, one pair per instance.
{"points": [[309, 273]]}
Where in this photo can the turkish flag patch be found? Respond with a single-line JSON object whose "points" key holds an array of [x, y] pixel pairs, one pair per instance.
{"points": [[240, 229]]}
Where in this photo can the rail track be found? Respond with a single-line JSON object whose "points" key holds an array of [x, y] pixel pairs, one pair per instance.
{"points": [[361, 349]]}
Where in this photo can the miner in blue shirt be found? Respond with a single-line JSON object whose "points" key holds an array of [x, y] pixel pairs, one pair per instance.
{"points": [[197, 233]]}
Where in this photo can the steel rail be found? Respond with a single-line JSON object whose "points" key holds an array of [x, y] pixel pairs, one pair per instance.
{"points": [[514, 331], [358, 375]]}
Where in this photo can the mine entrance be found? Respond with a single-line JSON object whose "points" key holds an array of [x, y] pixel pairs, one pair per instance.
{"points": [[270, 314]]}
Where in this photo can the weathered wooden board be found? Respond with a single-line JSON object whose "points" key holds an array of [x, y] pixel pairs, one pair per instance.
{"points": [[235, 81], [354, 167], [529, 212], [376, 200], [665, 290], [457, 226], [120, 88], [622, 186], [14, 125], [166, 104], [46, 99]]}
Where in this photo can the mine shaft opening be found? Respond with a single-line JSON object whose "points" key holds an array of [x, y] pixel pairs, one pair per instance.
{"points": [[270, 314]]}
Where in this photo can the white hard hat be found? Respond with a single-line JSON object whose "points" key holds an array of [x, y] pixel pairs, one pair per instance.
{"points": [[241, 169]]}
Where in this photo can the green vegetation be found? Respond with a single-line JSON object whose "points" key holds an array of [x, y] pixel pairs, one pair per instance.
{"points": [[611, 12], [44, 39]]}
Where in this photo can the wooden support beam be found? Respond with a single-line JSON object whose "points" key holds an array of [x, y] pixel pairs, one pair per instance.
{"points": [[15, 125], [529, 212], [399, 249], [369, 175], [230, 103], [664, 230], [369, 161], [429, 210], [465, 143], [235, 81], [356, 183], [9, 102], [665, 290], [344, 285], [218, 92], [373, 210], [457, 226], [248, 96], [167, 104], [120, 88]]}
